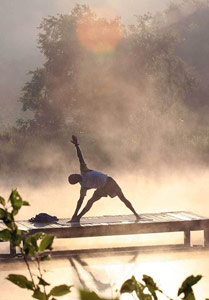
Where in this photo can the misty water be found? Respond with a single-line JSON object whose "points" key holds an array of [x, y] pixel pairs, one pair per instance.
{"points": [[187, 191], [105, 275]]}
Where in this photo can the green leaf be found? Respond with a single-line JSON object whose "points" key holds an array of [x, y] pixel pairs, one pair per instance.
{"points": [[31, 246], [2, 213], [34, 243], [189, 296], [8, 219], [140, 292], [21, 281], [129, 286], [60, 290], [43, 282], [151, 285], [5, 235], [16, 201], [46, 243], [45, 257], [16, 237], [2, 201], [25, 203], [188, 283], [39, 295], [85, 295], [35, 236]]}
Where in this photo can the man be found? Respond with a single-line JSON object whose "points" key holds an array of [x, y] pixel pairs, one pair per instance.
{"points": [[90, 179]]}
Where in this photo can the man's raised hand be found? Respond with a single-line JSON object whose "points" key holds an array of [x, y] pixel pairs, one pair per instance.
{"points": [[74, 140]]}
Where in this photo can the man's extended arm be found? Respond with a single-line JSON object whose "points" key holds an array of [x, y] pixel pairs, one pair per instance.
{"points": [[83, 166], [79, 203]]}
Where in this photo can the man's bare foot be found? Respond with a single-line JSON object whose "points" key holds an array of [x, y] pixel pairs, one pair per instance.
{"points": [[138, 218], [74, 220]]}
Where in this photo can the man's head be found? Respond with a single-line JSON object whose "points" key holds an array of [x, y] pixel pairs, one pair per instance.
{"points": [[74, 178]]}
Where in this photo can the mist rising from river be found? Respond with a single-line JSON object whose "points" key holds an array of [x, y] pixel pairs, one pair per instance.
{"points": [[105, 275]]}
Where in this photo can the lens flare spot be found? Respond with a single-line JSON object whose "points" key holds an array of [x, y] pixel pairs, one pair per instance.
{"points": [[99, 32]]}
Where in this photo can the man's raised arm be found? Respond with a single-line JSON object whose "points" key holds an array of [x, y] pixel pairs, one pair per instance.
{"points": [[83, 166]]}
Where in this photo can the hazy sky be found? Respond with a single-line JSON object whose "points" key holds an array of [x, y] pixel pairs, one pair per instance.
{"points": [[18, 36]]}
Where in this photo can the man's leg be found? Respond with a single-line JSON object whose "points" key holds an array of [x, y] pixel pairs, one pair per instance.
{"points": [[79, 203], [88, 206], [114, 189], [127, 203]]}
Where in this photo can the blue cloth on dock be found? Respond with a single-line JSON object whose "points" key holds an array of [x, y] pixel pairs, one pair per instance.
{"points": [[43, 218]]}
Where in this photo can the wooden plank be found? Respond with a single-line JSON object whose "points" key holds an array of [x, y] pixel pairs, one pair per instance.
{"points": [[191, 216], [121, 229], [119, 225], [179, 216], [171, 216]]}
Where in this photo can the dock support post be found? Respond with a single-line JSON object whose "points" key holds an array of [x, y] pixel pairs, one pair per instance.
{"points": [[187, 238], [206, 237]]}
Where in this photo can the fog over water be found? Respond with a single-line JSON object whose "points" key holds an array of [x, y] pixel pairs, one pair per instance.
{"points": [[186, 190], [105, 275]]}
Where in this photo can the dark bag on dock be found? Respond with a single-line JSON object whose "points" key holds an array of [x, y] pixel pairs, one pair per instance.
{"points": [[43, 218]]}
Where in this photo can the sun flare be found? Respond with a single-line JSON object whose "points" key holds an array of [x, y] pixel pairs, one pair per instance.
{"points": [[99, 33]]}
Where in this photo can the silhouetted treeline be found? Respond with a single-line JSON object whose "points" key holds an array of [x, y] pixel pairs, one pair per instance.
{"points": [[136, 96]]}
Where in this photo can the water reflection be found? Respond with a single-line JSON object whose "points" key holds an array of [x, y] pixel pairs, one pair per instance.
{"points": [[99, 285], [105, 273]]}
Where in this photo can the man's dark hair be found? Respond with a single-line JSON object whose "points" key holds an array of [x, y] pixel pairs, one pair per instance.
{"points": [[74, 178]]}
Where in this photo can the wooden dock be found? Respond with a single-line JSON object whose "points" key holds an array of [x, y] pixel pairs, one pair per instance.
{"points": [[181, 221]]}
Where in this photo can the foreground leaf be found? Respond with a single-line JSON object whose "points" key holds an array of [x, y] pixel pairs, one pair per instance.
{"points": [[16, 201], [35, 236], [151, 285], [29, 250], [5, 235], [46, 243], [45, 257], [25, 203], [2, 213], [43, 282], [31, 246], [7, 218], [129, 286], [2, 201], [16, 237], [85, 295], [21, 281], [39, 295], [60, 290], [132, 285], [188, 283]]}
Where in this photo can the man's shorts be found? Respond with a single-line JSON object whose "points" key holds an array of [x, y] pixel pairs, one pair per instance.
{"points": [[111, 188]]}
